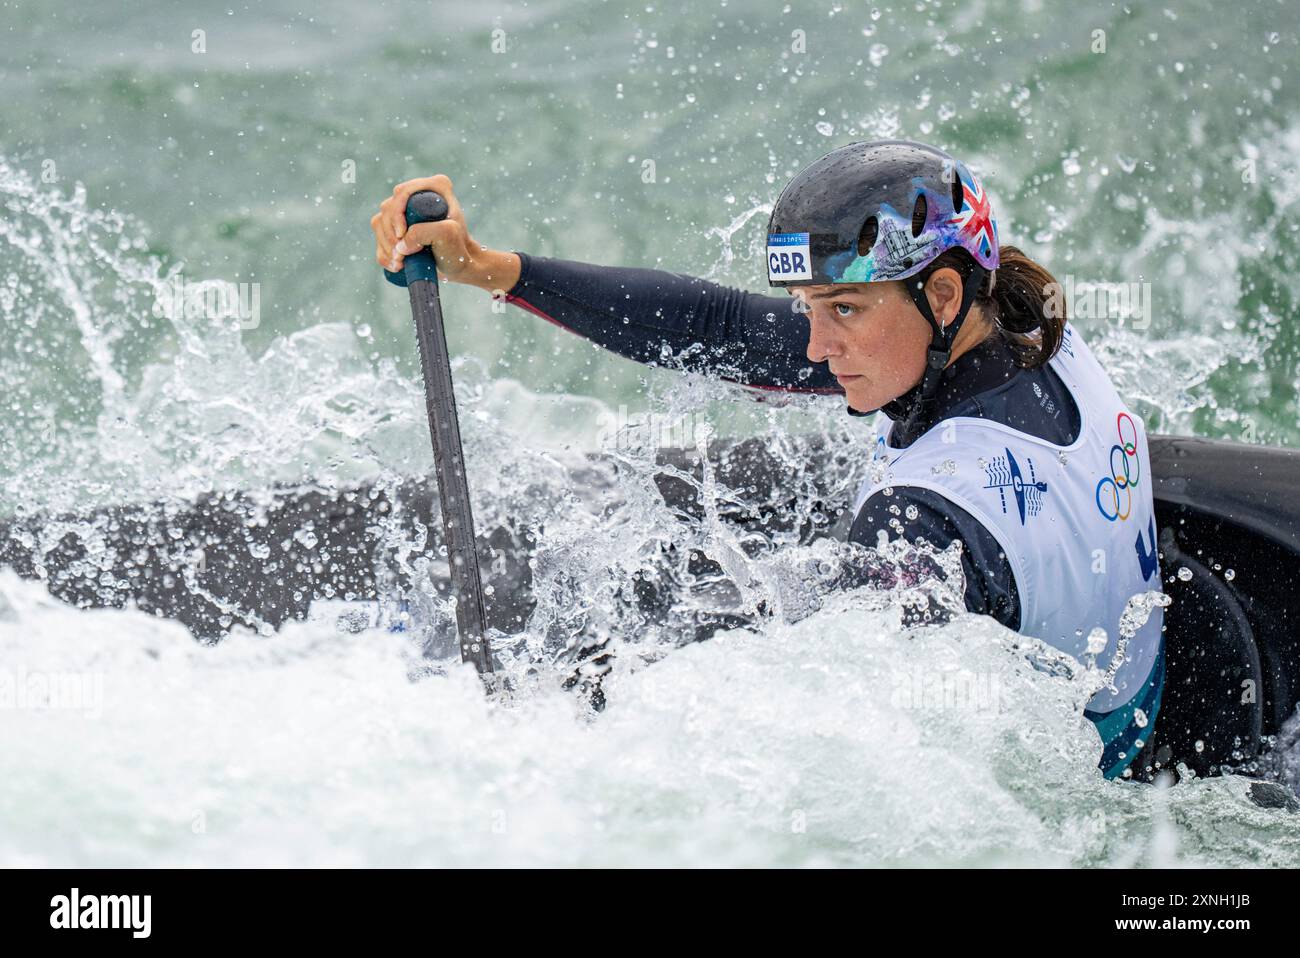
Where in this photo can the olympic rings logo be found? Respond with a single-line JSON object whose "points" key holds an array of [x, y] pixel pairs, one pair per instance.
{"points": [[1115, 492]]}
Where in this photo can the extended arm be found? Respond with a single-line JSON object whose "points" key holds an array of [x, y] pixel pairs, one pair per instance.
{"points": [[662, 318]]}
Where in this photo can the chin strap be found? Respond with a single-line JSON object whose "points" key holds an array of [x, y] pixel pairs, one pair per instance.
{"points": [[908, 406]]}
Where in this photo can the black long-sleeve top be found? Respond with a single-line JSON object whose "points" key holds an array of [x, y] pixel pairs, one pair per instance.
{"points": [[762, 341]]}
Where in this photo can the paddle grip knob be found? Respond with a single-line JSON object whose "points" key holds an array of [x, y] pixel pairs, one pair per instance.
{"points": [[423, 207]]}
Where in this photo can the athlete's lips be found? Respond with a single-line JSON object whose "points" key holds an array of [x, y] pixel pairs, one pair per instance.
{"points": [[845, 378]]}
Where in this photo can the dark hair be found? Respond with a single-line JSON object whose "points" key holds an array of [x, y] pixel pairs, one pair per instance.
{"points": [[1021, 299]]}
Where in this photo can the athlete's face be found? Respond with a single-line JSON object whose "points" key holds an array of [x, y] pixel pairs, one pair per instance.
{"points": [[872, 336]]}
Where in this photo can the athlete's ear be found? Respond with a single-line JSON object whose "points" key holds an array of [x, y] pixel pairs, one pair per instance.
{"points": [[944, 291]]}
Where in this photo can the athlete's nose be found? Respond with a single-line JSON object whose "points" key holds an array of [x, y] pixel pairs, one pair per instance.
{"points": [[823, 342]]}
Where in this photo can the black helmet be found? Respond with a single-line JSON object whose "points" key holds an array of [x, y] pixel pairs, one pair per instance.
{"points": [[879, 211], [870, 212]]}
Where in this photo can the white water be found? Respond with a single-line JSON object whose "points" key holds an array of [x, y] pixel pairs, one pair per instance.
{"points": [[810, 744]]}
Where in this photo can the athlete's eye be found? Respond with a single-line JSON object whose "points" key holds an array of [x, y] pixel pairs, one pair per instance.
{"points": [[848, 310]]}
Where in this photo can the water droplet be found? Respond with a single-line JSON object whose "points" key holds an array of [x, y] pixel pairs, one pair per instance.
{"points": [[1097, 640]]}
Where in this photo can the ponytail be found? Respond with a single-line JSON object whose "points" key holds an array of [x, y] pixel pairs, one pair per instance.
{"points": [[1021, 299]]}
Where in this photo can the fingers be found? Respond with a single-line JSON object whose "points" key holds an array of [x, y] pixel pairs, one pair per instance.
{"points": [[421, 235], [394, 208], [447, 240], [383, 242]]}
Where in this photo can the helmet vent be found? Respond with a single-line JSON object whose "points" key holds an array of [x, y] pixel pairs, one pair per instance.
{"points": [[867, 238], [958, 194], [918, 215]]}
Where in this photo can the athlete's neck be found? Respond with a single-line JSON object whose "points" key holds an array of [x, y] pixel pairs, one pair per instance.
{"points": [[983, 365]]}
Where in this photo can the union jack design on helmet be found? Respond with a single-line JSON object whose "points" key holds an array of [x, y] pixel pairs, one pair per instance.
{"points": [[877, 211], [881, 211]]}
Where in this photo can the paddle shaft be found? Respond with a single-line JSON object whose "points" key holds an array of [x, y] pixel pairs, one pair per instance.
{"points": [[420, 276]]}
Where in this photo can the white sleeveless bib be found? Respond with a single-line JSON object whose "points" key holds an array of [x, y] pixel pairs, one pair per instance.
{"points": [[1076, 522]]}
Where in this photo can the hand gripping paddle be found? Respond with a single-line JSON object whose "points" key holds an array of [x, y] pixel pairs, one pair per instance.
{"points": [[420, 277]]}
